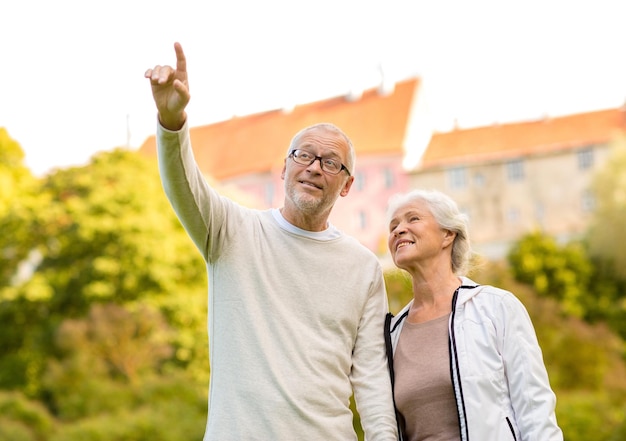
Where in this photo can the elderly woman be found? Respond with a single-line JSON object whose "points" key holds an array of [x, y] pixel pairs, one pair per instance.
{"points": [[464, 359]]}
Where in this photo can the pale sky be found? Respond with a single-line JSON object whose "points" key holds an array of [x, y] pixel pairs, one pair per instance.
{"points": [[71, 78]]}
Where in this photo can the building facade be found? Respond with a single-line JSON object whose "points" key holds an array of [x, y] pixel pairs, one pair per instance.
{"points": [[515, 178], [510, 179]]}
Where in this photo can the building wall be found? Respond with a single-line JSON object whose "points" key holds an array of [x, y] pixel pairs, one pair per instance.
{"points": [[508, 197]]}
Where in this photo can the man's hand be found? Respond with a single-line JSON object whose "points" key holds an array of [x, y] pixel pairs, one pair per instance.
{"points": [[170, 91]]}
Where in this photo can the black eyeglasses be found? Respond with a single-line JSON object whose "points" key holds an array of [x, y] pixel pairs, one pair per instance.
{"points": [[329, 165]]}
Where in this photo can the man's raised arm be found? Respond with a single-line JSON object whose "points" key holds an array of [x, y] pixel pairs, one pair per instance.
{"points": [[170, 90]]}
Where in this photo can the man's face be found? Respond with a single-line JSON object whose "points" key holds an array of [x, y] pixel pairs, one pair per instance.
{"points": [[309, 188]]}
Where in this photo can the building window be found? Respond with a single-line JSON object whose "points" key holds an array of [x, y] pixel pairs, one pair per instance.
{"points": [[388, 178], [359, 181], [588, 202], [479, 180], [362, 219], [513, 215], [457, 177], [515, 170], [585, 158]]}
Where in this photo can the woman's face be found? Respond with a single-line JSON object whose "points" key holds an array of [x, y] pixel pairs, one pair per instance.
{"points": [[415, 237]]}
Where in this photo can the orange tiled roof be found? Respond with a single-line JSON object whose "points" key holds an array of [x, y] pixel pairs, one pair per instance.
{"points": [[523, 138], [375, 122]]}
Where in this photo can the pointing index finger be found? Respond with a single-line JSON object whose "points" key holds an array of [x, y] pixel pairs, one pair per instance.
{"points": [[181, 61]]}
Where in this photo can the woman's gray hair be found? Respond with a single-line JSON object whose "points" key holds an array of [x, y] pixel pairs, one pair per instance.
{"points": [[448, 216], [350, 160]]}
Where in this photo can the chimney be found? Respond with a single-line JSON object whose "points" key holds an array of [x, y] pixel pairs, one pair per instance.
{"points": [[386, 86]]}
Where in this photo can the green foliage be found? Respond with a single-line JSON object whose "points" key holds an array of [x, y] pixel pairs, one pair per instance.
{"points": [[559, 272], [607, 225], [154, 423], [619, 434], [127, 342], [14, 175], [113, 234], [102, 233], [99, 356], [584, 416], [399, 289], [605, 233], [18, 199], [162, 408], [103, 305], [23, 420], [585, 286], [21, 339]]}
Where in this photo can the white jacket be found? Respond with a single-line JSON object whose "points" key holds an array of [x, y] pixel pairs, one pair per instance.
{"points": [[499, 378]]}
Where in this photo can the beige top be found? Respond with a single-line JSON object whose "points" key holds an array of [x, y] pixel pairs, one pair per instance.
{"points": [[295, 317], [423, 388]]}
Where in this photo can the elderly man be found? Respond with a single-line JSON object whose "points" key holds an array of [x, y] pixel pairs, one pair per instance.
{"points": [[296, 307]]}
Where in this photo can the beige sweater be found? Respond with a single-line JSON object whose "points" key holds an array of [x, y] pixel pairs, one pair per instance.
{"points": [[295, 318]]}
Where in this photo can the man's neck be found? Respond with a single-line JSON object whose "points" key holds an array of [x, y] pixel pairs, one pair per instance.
{"points": [[305, 221]]}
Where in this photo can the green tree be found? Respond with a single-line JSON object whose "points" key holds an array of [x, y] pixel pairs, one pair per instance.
{"points": [[106, 234], [562, 272], [99, 358], [113, 236], [14, 175], [607, 225], [604, 236], [107, 327], [18, 195], [20, 199]]}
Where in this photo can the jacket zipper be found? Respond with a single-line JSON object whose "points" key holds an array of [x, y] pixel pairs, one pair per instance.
{"points": [[508, 421], [457, 384]]}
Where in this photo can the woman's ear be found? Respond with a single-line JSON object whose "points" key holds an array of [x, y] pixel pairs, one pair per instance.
{"points": [[448, 237]]}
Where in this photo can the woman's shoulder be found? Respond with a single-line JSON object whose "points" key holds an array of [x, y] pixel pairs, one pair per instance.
{"points": [[493, 297]]}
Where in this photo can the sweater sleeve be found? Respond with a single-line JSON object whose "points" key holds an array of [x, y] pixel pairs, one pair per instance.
{"points": [[370, 377], [198, 206], [532, 398]]}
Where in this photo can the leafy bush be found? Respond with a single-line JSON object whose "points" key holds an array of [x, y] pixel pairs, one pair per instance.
{"points": [[22, 419], [587, 416]]}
